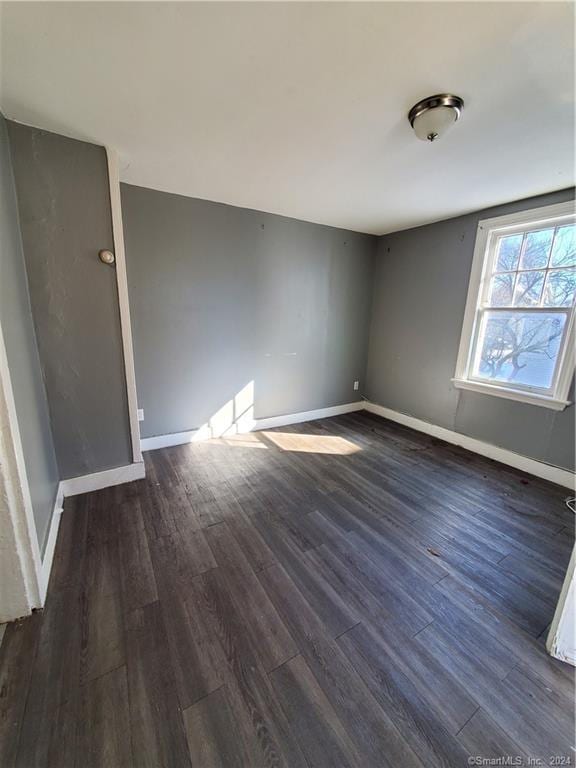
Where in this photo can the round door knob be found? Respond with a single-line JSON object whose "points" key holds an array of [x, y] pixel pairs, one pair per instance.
{"points": [[107, 257]]}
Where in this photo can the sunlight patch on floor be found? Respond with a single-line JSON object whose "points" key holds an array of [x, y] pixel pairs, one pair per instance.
{"points": [[300, 443], [250, 440]]}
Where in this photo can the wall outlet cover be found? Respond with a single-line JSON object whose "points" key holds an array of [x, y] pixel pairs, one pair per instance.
{"points": [[356, 385], [140, 414]]}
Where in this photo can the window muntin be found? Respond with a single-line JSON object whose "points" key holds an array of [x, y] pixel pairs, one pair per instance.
{"points": [[519, 347], [525, 262], [522, 324]]}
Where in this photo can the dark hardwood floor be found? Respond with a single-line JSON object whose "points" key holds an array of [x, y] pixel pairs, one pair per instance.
{"points": [[345, 592]]}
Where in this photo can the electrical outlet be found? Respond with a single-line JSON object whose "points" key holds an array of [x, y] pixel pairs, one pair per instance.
{"points": [[140, 414], [356, 386]]}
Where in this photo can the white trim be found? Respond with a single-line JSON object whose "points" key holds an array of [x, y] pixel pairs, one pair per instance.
{"points": [[532, 466], [561, 641], [487, 230], [72, 487], [17, 492], [511, 394], [118, 475], [297, 418], [51, 541], [167, 441], [474, 283], [205, 433], [527, 215], [124, 303], [98, 480]]}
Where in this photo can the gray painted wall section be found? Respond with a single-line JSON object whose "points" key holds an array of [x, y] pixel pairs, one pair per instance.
{"points": [[64, 204], [223, 296], [420, 287], [22, 353]]}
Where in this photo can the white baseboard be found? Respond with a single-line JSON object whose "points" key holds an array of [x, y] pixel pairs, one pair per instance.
{"points": [[136, 471], [48, 556], [297, 418], [167, 441], [516, 460], [105, 479], [73, 487], [247, 425]]}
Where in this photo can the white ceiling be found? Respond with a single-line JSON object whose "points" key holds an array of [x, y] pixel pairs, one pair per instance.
{"points": [[300, 108]]}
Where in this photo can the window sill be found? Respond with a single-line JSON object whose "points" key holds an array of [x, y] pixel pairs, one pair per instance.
{"points": [[511, 394]]}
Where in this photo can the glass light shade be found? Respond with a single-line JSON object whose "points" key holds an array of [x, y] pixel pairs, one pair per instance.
{"points": [[433, 123]]}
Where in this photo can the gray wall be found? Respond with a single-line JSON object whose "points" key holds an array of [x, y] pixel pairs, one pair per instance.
{"points": [[420, 288], [222, 296], [63, 199], [22, 353]]}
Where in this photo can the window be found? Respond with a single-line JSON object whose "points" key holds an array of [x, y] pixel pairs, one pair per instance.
{"points": [[518, 333]]}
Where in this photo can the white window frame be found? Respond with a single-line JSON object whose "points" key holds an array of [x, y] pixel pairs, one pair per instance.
{"points": [[484, 253]]}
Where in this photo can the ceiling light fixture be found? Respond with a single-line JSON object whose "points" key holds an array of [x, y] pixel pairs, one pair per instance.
{"points": [[433, 116]]}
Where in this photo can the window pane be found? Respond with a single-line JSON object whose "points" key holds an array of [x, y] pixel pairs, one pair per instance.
{"points": [[537, 249], [560, 288], [520, 347], [508, 252], [564, 248], [501, 287], [528, 289]]}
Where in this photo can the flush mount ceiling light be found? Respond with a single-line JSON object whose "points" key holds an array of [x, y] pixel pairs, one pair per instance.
{"points": [[433, 116]]}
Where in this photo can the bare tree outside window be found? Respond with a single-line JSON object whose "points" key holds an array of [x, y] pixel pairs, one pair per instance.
{"points": [[533, 271], [513, 341]]}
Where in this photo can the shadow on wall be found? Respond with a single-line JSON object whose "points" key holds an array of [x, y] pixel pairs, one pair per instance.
{"points": [[232, 424]]}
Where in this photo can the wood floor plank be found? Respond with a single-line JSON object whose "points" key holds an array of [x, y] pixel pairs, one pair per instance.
{"points": [[531, 575], [526, 721], [47, 733], [56, 665], [322, 736], [157, 512], [270, 639], [561, 710], [482, 737], [215, 738], [520, 645], [19, 646], [375, 575], [345, 592], [102, 568], [252, 698], [255, 549], [156, 725], [196, 655], [67, 566], [102, 512], [384, 536], [537, 537], [104, 731], [55, 743], [467, 520], [369, 727], [529, 611], [440, 526], [412, 715], [101, 617], [136, 570], [435, 683], [351, 589], [333, 611], [179, 557]]}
